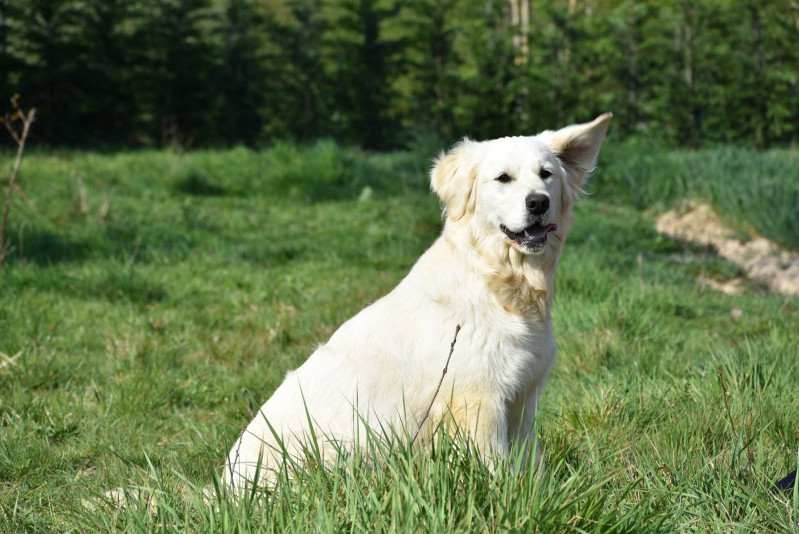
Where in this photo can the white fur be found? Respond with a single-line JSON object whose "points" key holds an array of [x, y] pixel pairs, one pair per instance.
{"points": [[386, 362]]}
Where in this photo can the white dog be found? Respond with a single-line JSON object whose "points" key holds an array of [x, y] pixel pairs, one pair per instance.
{"points": [[509, 209]]}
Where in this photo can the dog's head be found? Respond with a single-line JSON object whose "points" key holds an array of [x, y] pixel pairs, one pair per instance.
{"points": [[519, 190]]}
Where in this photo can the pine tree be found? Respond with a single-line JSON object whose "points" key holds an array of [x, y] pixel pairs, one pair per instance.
{"points": [[360, 59], [41, 36], [427, 82], [177, 72], [242, 81], [297, 90], [106, 108]]}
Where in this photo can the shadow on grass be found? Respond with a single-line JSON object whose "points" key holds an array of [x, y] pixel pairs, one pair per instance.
{"points": [[121, 240], [196, 183], [123, 285], [269, 254], [114, 283], [44, 247]]}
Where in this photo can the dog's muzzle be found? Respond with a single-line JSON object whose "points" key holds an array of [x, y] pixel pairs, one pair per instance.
{"points": [[532, 237]]}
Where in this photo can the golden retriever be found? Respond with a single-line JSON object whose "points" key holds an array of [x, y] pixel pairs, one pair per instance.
{"points": [[508, 205]]}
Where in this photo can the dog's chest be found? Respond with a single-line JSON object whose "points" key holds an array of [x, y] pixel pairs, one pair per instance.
{"points": [[510, 353]]}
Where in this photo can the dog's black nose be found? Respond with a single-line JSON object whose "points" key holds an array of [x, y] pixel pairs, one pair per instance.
{"points": [[537, 204]]}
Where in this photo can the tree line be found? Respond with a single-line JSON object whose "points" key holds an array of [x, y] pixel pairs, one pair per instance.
{"points": [[377, 73]]}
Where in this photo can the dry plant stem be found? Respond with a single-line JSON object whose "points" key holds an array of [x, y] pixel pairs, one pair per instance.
{"points": [[438, 388], [82, 200], [27, 120], [102, 213], [724, 396]]}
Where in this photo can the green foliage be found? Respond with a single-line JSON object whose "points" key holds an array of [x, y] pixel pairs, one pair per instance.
{"points": [[297, 86], [137, 340], [243, 75], [373, 73], [752, 190], [363, 53]]}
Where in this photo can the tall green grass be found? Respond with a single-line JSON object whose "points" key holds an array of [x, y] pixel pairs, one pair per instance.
{"points": [[752, 190], [448, 488], [137, 340]]}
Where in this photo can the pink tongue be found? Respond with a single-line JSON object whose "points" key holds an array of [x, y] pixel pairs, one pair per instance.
{"points": [[541, 230]]}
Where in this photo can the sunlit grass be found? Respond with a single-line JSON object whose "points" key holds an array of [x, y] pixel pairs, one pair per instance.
{"points": [[136, 343], [751, 189]]}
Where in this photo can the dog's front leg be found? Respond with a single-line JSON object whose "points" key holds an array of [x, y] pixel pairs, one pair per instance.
{"points": [[522, 429], [485, 424]]}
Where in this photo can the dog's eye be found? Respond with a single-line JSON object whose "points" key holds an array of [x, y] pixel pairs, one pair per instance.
{"points": [[544, 174], [504, 178]]}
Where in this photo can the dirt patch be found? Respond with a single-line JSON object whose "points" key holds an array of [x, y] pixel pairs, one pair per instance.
{"points": [[734, 286], [759, 258]]}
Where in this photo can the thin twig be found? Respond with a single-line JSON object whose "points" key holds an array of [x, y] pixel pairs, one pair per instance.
{"points": [[82, 200], [725, 394], [438, 388], [11, 131], [9, 360], [102, 213], [27, 120]]}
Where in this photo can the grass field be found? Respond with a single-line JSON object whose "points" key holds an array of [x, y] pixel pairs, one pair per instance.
{"points": [[155, 300], [753, 190]]}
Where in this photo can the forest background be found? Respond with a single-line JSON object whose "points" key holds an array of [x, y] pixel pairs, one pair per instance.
{"points": [[109, 74]]}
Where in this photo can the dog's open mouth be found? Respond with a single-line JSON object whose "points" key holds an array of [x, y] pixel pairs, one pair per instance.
{"points": [[532, 237]]}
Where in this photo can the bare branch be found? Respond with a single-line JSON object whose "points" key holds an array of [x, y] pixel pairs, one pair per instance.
{"points": [[10, 129], [82, 198], [438, 388], [12, 179]]}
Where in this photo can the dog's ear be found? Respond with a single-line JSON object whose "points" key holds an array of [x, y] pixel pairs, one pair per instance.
{"points": [[577, 146], [452, 177]]}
